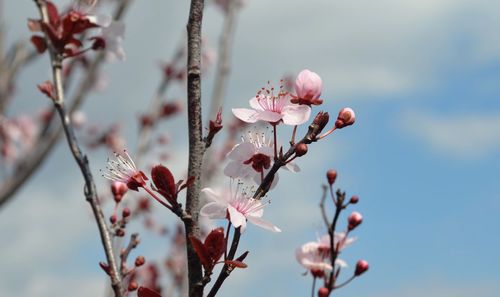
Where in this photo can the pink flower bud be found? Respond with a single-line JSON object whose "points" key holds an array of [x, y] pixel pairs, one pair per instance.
{"points": [[323, 292], [301, 149], [112, 219], [132, 286], [361, 267], [354, 200], [354, 220], [331, 176], [345, 118], [308, 87], [118, 189]]}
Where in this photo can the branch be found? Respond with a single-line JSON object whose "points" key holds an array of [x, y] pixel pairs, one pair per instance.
{"points": [[49, 137], [196, 144]]}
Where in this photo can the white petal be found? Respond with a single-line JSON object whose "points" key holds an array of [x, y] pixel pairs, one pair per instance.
{"points": [[235, 169], [242, 151], [213, 196], [341, 263], [266, 150], [214, 210], [292, 167], [296, 114], [263, 224], [246, 115], [237, 218]]}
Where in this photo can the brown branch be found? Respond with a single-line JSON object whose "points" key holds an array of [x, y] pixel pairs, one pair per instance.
{"points": [[49, 137], [322, 207], [196, 144], [126, 252]]}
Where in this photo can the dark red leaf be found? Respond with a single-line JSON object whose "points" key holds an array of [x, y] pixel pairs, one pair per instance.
{"points": [[53, 13], [145, 292], [215, 243], [39, 43], [188, 183], [202, 252], [235, 263], [163, 180]]}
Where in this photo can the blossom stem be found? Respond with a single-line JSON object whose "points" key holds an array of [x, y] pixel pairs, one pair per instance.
{"points": [[334, 249], [158, 198], [313, 290], [326, 133], [275, 142], [227, 237], [344, 283], [292, 140]]}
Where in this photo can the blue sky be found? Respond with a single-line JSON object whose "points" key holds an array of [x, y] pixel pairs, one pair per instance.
{"points": [[423, 156]]}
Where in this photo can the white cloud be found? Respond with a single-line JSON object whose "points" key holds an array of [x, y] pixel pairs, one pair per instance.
{"points": [[462, 136]]}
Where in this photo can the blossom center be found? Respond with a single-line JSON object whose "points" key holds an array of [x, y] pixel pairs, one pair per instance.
{"points": [[259, 162]]}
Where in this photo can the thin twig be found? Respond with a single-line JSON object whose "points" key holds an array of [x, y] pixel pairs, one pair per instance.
{"points": [[196, 144], [322, 207]]}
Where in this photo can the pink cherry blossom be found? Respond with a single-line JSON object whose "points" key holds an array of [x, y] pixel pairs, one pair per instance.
{"points": [[238, 207], [123, 170], [273, 108], [252, 158], [340, 241], [113, 35], [308, 88]]}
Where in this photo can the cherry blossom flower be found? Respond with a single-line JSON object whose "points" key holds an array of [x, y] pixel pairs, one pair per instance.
{"points": [[252, 158], [112, 37], [308, 87], [238, 207], [123, 170], [340, 241], [273, 108]]}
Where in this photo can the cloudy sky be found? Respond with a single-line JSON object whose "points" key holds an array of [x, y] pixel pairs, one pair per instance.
{"points": [[423, 77]]}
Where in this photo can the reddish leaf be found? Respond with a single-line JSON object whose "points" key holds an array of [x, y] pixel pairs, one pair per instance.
{"points": [[34, 25], [202, 253], [235, 263], [242, 257], [163, 180], [53, 13], [39, 43], [215, 243], [145, 292], [188, 183]]}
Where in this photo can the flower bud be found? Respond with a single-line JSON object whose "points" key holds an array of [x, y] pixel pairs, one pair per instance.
{"points": [[308, 87], [323, 292], [139, 261], [354, 220], [112, 219], [132, 286], [345, 118], [331, 176], [301, 149], [118, 189], [120, 232], [354, 199], [321, 120], [126, 212], [361, 267]]}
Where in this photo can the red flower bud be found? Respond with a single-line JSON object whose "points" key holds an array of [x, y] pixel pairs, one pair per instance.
{"points": [[126, 212], [139, 261], [345, 118], [354, 200], [361, 267], [118, 189], [301, 149], [331, 176], [132, 286], [112, 219], [354, 220], [323, 292], [120, 233]]}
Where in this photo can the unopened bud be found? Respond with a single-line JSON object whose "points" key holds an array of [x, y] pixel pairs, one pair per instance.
{"points": [[112, 219], [354, 220], [345, 118], [118, 189], [126, 212], [120, 232], [139, 261], [361, 267], [104, 267], [301, 149], [132, 286], [331, 176], [323, 292], [321, 120], [354, 200]]}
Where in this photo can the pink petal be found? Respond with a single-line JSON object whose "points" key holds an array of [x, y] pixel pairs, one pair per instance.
{"points": [[254, 103], [212, 195], [263, 224], [266, 150], [242, 152], [269, 116], [292, 167], [246, 115], [236, 169], [296, 114]]}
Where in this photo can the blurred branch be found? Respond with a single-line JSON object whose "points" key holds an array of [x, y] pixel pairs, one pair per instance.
{"points": [[196, 144], [49, 137]]}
